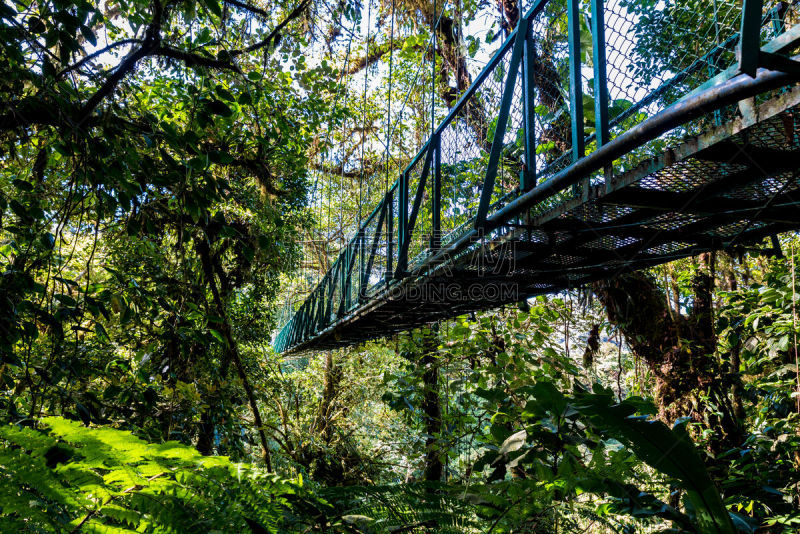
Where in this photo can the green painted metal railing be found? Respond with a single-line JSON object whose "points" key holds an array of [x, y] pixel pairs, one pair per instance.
{"points": [[564, 84]]}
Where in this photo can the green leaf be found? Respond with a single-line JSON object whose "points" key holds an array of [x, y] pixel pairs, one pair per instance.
{"points": [[18, 209], [101, 333], [35, 25], [668, 451], [224, 94], [217, 335], [217, 107], [65, 299], [48, 240], [513, 442], [198, 163], [89, 35], [213, 6], [22, 185], [220, 158]]}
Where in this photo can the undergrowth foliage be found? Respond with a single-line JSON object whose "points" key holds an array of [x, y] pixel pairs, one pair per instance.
{"points": [[63, 477], [405, 507]]}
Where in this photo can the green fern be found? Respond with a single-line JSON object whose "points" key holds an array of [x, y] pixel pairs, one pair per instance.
{"points": [[417, 507], [65, 477]]}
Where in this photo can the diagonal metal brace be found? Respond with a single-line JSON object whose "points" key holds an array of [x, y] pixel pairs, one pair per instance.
{"points": [[502, 122], [779, 63]]}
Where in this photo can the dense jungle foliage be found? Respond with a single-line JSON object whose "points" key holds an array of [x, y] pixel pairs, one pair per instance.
{"points": [[165, 189]]}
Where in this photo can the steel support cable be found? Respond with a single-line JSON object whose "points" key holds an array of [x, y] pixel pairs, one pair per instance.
{"points": [[389, 105], [364, 115], [434, 25], [342, 162], [402, 107], [339, 93], [349, 43], [416, 77]]}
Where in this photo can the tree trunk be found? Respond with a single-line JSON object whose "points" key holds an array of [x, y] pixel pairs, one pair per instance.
{"points": [[231, 347], [331, 381], [678, 349], [205, 437], [431, 407]]}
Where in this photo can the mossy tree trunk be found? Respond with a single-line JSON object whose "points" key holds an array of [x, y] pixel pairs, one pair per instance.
{"points": [[679, 349]]}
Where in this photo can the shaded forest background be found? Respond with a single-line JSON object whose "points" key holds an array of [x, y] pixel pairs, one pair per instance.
{"points": [[166, 186]]}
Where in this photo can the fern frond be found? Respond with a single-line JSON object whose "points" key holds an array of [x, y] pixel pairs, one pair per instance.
{"points": [[66, 476]]}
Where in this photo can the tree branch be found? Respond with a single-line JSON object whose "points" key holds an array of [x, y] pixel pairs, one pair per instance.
{"points": [[194, 59], [96, 53], [275, 33], [247, 7], [151, 46], [375, 54], [232, 347], [128, 64]]}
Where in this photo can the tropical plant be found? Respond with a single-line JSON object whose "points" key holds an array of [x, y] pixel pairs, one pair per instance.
{"points": [[63, 477]]}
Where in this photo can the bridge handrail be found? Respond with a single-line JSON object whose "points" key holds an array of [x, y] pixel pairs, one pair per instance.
{"points": [[714, 95]]}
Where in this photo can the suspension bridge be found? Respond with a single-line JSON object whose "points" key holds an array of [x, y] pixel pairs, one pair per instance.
{"points": [[539, 178]]}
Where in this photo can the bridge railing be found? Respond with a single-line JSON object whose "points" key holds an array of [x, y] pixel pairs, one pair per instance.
{"points": [[567, 81]]}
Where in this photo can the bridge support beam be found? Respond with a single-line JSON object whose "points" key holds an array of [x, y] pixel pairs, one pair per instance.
{"points": [[502, 122], [528, 174], [575, 80], [750, 37], [600, 75], [436, 200]]}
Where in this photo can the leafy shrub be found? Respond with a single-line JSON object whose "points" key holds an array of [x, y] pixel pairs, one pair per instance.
{"points": [[65, 477]]}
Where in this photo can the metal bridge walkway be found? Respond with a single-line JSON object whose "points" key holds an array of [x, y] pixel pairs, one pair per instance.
{"points": [[425, 255]]}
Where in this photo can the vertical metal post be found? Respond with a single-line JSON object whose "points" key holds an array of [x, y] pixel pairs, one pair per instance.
{"points": [[750, 37], [342, 304], [389, 236], [778, 26], [600, 76], [402, 216], [303, 321], [575, 80], [712, 71], [402, 252], [301, 315], [323, 296], [528, 175], [436, 185], [575, 84], [342, 281], [329, 299], [361, 263]]}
